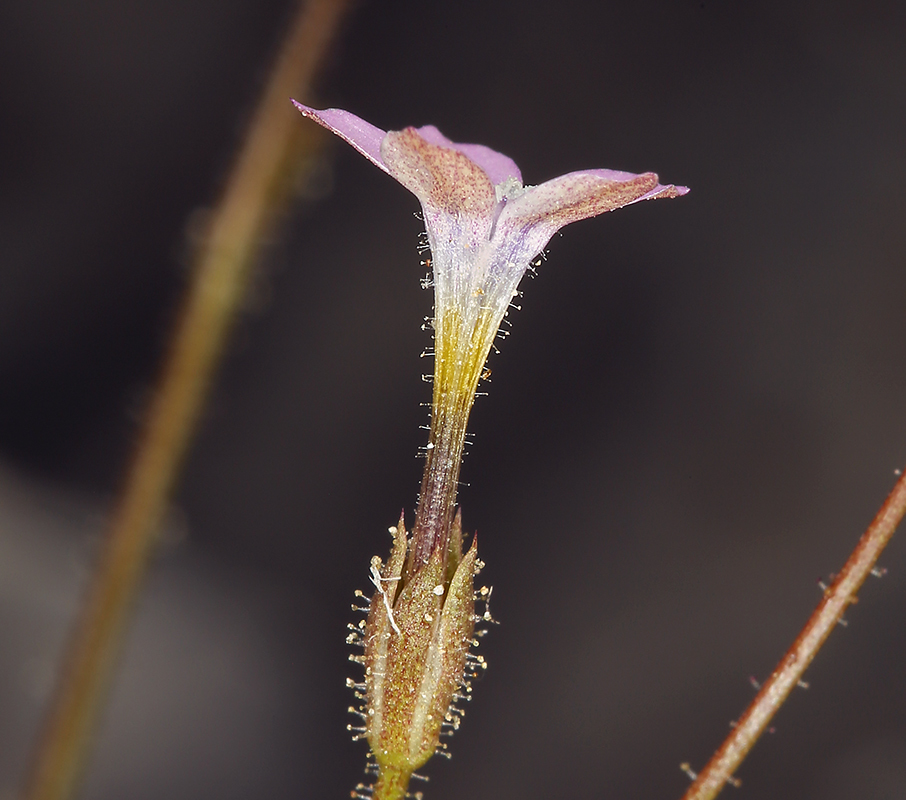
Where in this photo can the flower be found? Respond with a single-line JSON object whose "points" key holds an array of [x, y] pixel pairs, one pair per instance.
{"points": [[484, 229]]}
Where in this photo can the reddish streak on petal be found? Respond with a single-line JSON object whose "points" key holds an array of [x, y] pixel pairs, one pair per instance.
{"points": [[443, 179]]}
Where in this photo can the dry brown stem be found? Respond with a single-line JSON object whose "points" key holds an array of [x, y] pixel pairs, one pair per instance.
{"points": [[787, 674], [255, 190]]}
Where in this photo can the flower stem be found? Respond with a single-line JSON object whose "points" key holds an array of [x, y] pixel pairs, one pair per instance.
{"points": [[256, 188], [837, 597], [392, 783], [441, 479], [461, 349]]}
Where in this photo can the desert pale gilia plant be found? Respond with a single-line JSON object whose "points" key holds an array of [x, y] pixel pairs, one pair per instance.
{"points": [[484, 228]]}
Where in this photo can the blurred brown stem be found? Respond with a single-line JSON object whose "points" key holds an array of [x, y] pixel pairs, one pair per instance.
{"points": [[257, 187], [788, 673]]}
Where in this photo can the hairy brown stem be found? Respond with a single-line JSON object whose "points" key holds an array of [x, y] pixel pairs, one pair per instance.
{"points": [[440, 482], [837, 597], [256, 189]]}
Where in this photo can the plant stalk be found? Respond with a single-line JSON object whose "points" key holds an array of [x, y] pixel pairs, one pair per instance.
{"points": [[256, 188], [786, 676]]}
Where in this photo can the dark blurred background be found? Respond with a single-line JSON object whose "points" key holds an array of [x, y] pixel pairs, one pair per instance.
{"points": [[700, 408]]}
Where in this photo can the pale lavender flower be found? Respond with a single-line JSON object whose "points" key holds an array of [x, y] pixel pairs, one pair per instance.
{"points": [[484, 228]]}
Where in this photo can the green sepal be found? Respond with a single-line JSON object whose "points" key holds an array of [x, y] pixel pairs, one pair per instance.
{"points": [[417, 638], [454, 548], [417, 616], [457, 625], [379, 628]]}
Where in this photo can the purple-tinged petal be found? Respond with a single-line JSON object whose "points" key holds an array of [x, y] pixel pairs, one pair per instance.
{"points": [[497, 166], [542, 210], [658, 191], [366, 138], [446, 181], [458, 201], [363, 136]]}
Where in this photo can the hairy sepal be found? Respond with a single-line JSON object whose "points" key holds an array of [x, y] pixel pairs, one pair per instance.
{"points": [[415, 652]]}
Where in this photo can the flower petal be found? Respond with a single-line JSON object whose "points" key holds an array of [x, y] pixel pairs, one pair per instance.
{"points": [[542, 210], [444, 179], [363, 136], [497, 166], [366, 138]]}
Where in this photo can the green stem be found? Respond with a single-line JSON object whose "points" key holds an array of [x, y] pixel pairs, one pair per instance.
{"points": [[786, 676], [392, 783], [256, 188]]}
